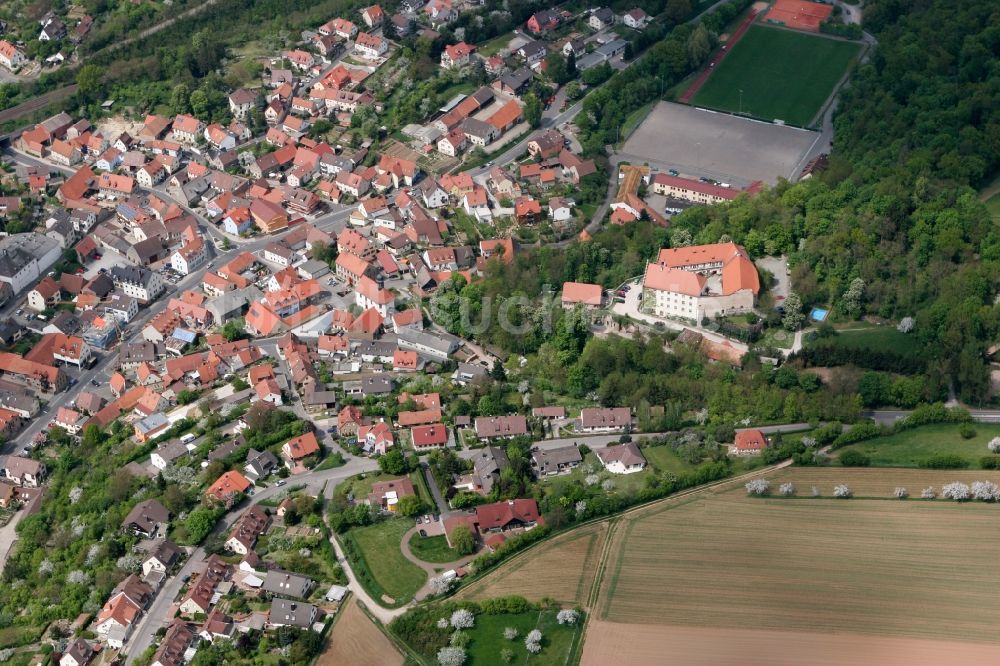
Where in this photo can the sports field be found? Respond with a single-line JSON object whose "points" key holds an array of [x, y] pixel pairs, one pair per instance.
{"points": [[783, 75]]}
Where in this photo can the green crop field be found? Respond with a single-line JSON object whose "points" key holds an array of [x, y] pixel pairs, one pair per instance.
{"points": [[783, 74], [910, 447]]}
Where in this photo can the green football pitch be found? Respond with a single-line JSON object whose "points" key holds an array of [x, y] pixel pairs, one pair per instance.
{"points": [[782, 75]]}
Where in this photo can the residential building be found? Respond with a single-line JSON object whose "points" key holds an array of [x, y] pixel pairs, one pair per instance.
{"points": [[601, 19], [26, 257], [605, 419], [190, 256], [550, 462], [288, 613], [544, 21], [10, 56], [427, 437], [385, 495], [137, 282], [373, 16], [260, 464], [748, 443], [636, 19], [457, 55], [370, 46], [299, 448], [488, 464], [621, 458], [78, 653], [287, 584], [24, 471], [228, 487], [163, 555], [376, 439], [174, 646], [166, 454], [501, 427], [252, 524], [582, 293], [241, 102]]}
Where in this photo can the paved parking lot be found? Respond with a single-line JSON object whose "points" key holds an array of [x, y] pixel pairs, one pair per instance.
{"points": [[718, 145]]}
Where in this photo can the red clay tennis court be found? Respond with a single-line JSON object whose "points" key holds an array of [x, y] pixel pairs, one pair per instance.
{"points": [[799, 14]]}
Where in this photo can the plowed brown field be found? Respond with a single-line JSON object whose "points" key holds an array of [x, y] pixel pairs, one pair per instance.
{"points": [[562, 569], [649, 645], [355, 640]]}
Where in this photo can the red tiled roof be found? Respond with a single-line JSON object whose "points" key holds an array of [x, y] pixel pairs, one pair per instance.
{"points": [[750, 440], [676, 280], [301, 446], [501, 514], [582, 292], [434, 434]]}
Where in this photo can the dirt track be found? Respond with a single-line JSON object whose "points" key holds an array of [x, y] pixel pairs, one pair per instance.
{"points": [[624, 644]]}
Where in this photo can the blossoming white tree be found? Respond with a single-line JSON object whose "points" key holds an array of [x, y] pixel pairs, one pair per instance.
{"points": [[567, 616], [842, 491], [440, 585], [956, 490], [451, 656], [533, 641], [758, 487], [462, 618], [900, 492], [928, 493], [985, 491], [994, 445], [510, 633], [787, 489]]}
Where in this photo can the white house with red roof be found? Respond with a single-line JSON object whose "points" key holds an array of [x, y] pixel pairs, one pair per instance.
{"points": [[701, 281], [376, 439], [748, 443], [370, 46], [457, 55], [373, 16]]}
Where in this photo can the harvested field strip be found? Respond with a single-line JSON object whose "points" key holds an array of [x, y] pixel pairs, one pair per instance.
{"points": [[910, 568], [874, 481], [643, 644], [357, 641], [562, 569]]}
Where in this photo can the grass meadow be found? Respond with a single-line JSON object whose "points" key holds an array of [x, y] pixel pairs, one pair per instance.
{"points": [[909, 448], [395, 575]]}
